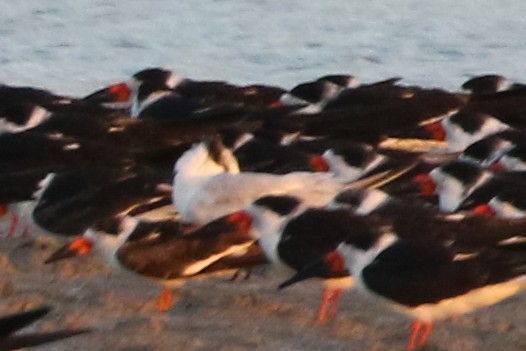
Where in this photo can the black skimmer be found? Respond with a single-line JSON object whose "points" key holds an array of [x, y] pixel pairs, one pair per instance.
{"points": [[486, 84], [205, 92], [424, 279], [319, 91], [346, 81], [151, 101], [350, 162], [69, 203], [217, 92], [131, 136], [371, 122], [18, 117], [168, 109], [508, 204], [276, 152], [10, 94], [513, 159], [415, 220], [487, 151], [32, 151], [311, 97], [464, 128], [126, 93], [290, 237], [17, 199], [14, 100], [273, 151], [10, 324], [381, 92], [506, 105], [461, 184], [169, 252], [265, 151], [353, 161], [123, 93], [36, 153]]}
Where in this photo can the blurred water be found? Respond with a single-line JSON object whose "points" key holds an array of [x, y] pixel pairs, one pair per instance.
{"points": [[78, 46]]}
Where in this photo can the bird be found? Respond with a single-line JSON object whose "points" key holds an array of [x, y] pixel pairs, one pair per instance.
{"points": [[67, 203], [124, 94], [461, 184], [486, 84], [21, 116], [10, 324], [312, 97], [168, 252], [208, 184], [292, 236], [423, 279], [463, 128], [373, 122], [513, 159], [488, 150], [507, 204], [464, 232], [505, 105]]}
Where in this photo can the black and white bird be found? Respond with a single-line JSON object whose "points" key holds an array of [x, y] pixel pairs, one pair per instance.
{"points": [[10, 324], [463, 232], [424, 279], [462, 185], [292, 236], [168, 252], [463, 128]]}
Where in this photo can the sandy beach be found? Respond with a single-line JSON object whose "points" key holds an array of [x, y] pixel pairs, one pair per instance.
{"points": [[216, 314]]}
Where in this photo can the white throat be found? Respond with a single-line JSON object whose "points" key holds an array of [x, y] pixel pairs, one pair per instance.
{"points": [[357, 259], [107, 244], [267, 228]]}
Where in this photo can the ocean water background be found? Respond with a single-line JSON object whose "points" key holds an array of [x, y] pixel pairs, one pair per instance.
{"points": [[78, 46]]}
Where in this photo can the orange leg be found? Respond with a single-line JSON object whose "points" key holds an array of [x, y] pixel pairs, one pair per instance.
{"points": [[329, 303], [335, 302], [166, 300], [419, 333]]}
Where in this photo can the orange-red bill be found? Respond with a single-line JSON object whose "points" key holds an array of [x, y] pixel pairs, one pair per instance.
{"points": [[242, 220], [276, 104], [120, 91], [318, 164], [498, 167], [436, 130], [78, 247], [484, 209], [426, 183]]}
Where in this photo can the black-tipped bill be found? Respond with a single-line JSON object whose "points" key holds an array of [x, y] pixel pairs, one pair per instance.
{"points": [[78, 247], [319, 269], [11, 323], [16, 342]]}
